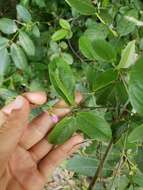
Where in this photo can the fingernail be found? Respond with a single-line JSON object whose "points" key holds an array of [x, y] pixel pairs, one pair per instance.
{"points": [[15, 105]]}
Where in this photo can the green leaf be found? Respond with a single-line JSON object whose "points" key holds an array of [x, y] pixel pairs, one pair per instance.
{"points": [[84, 7], [25, 2], [63, 131], [83, 165], [62, 79], [23, 13], [26, 43], [8, 26], [3, 42], [65, 24], [67, 58], [86, 48], [40, 3], [59, 35], [136, 86], [18, 57], [136, 135], [139, 158], [124, 26], [118, 129], [121, 183], [104, 50], [91, 74], [128, 56], [112, 95], [36, 31], [105, 3], [94, 126], [4, 61], [138, 179], [36, 85], [104, 79], [96, 31], [7, 94]]}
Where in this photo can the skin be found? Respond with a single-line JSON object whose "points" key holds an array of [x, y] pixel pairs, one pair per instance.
{"points": [[26, 157]]}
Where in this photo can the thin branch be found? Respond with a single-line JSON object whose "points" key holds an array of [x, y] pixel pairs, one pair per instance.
{"points": [[74, 52], [124, 83], [100, 167], [121, 161]]}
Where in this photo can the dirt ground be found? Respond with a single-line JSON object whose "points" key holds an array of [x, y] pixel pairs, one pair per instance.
{"points": [[62, 179], [65, 180]]}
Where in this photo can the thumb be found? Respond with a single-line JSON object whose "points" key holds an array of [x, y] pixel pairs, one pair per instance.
{"points": [[13, 120]]}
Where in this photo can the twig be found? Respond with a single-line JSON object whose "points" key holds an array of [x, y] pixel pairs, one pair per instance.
{"points": [[74, 52], [100, 167], [124, 83], [121, 161]]}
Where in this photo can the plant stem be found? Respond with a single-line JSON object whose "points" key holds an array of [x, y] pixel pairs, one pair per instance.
{"points": [[100, 167], [74, 52], [121, 161]]}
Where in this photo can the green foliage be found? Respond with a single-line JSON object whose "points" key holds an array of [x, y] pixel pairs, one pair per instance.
{"points": [[136, 86], [26, 43], [104, 50], [65, 24], [63, 131], [91, 124], [59, 35], [83, 165], [86, 48], [62, 78], [128, 56], [8, 26], [104, 79], [64, 32], [18, 57], [96, 31], [94, 126], [124, 26], [84, 7], [4, 57], [136, 134], [94, 47], [23, 14]]}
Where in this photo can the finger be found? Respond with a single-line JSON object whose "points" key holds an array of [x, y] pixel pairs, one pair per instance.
{"points": [[55, 157], [14, 185], [32, 182], [25, 172], [39, 127], [40, 150], [14, 121], [36, 98]]}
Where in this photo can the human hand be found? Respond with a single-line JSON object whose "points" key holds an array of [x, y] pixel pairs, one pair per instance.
{"points": [[26, 157]]}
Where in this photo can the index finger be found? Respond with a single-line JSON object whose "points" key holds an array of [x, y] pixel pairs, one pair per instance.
{"points": [[36, 98]]}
